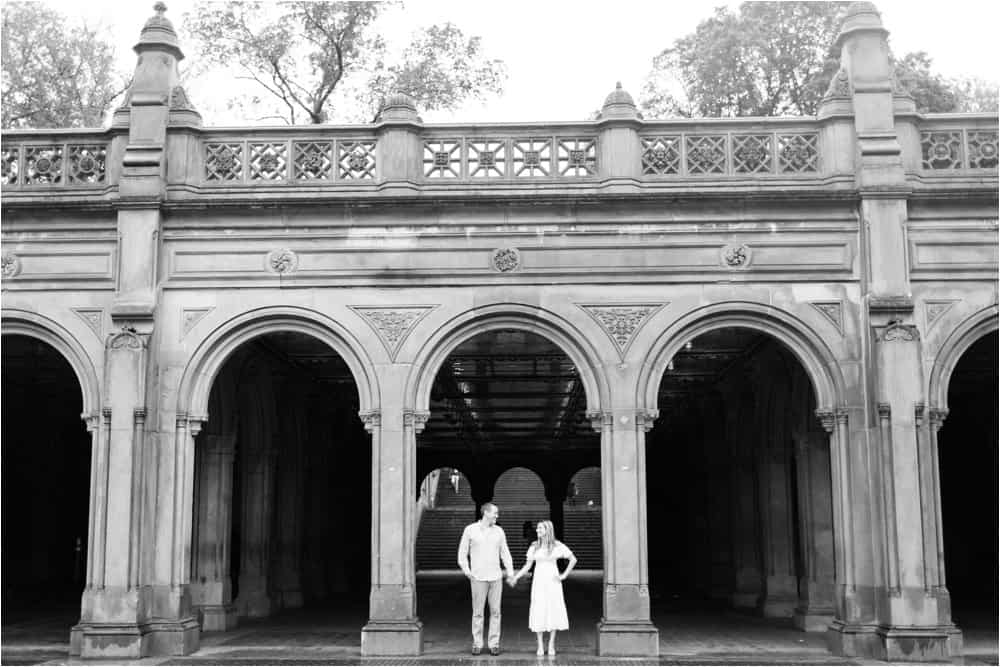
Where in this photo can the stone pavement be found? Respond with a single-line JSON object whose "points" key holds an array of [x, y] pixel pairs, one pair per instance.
{"points": [[690, 634]]}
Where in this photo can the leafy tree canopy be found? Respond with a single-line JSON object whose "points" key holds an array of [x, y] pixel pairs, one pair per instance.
{"points": [[55, 74], [775, 58], [317, 61]]}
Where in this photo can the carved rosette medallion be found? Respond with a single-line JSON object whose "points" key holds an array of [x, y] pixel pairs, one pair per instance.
{"points": [[621, 322], [736, 256], [392, 323], [506, 260], [10, 265], [282, 261]]}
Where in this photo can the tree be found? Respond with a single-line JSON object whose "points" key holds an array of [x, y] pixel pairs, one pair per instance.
{"points": [[305, 55], [770, 58], [976, 95], [55, 74]]}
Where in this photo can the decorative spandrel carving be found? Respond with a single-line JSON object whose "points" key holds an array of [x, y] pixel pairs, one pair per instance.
{"points": [[933, 310], [10, 265], [736, 256], [282, 261], [392, 324], [190, 317], [982, 149], [505, 260], [752, 153], [621, 322], [661, 156], [832, 311], [93, 318]]}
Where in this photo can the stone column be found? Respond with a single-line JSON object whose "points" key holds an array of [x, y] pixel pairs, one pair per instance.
{"points": [[816, 584], [290, 505], [625, 627], [748, 588], [257, 475], [393, 627], [211, 589]]}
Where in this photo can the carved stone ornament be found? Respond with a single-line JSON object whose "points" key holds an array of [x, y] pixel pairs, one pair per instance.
{"points": [[392, 323], [897, 331], [933, 310], [10, 265], [179, 100], [622, 321], [126, 339], [282, 261], [372, 419], [92, 317], [506, 260], [190, 317], [840, 85], [832, 311], [736, 256]]}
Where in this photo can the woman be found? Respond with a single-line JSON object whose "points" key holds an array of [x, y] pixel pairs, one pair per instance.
{"points": [[547, 612]]}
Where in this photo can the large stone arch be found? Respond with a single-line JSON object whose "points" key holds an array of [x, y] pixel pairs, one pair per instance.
{"points": [[25, 323], [215, 348], [505, 316], [965, 334], [808, 347]]}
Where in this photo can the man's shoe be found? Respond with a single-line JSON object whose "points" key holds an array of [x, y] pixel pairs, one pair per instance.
{"points": [[494, 650], [476, 650]]}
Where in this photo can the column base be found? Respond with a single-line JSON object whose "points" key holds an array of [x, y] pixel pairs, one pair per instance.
{"points": [[290, 599], [778, 607], [854, 641], [812, 620], [622, 638], [172, 637], [935, 644], [218, 618], [254, 604], [107, 640], [392, 638]]}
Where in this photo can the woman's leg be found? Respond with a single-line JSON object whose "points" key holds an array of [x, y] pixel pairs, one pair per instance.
{"points": [[541, 643], [552, 643]]}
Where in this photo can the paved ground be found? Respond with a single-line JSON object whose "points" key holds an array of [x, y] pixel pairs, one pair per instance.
{"points": [[689, 635]]}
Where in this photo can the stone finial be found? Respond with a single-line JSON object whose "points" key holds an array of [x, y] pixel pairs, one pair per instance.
{"points": [[159, 33], [861, 16], [398, 106], [618, 104]]}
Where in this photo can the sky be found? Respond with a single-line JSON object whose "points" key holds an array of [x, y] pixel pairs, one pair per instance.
{"points": [[564, 57]]}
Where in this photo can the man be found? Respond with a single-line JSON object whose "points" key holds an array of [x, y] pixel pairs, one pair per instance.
{"points": [[483, 547]]}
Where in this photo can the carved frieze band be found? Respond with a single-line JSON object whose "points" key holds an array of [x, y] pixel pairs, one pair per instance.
{"points": [[190, 317], [622, 321], [832, 311], [392, 324]]}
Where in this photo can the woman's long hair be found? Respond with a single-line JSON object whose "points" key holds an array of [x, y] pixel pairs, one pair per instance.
{"points": [[548, 540]]}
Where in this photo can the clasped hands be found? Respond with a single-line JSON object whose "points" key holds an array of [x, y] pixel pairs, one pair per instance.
{"points": [[512, 579]]}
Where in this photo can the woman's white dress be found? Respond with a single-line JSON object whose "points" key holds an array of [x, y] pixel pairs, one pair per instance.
{"points": [[548, 608]]}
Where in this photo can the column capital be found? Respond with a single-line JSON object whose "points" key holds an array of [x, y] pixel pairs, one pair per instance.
{"points": [[826, 419], [600, 419], [372, 419], [646, 419], [884, 410], [937, 417], [416, 419]]}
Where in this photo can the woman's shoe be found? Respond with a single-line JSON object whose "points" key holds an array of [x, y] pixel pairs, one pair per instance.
{"points": [[552, 650], [540, 651]]}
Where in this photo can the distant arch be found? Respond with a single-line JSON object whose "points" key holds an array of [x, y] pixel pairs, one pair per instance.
{"points": [[965, 334]]}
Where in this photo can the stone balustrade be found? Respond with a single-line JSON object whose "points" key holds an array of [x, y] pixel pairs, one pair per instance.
{"points": [[33, 159]]}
